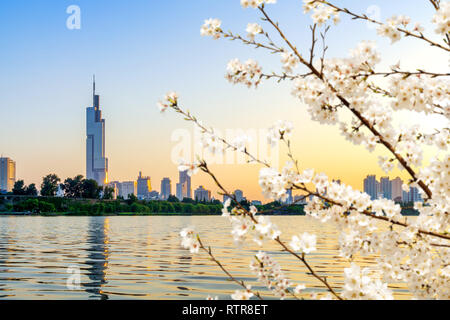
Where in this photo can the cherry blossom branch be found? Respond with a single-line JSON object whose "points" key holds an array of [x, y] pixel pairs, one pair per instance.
{"points": [[435, 4], [302, 259], [406, 74], [230, 276], [314, 40], [204, 167], [366, 18], [386, 93], [284, 76], [370, 214], [324, 49], [191, 118], [271, 46], [358, 114]]}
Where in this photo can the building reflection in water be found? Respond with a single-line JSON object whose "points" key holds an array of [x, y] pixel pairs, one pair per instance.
{"points": [[97, 258]]}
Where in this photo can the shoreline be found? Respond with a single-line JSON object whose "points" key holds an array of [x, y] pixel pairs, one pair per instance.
{"points": [[135, 214]]}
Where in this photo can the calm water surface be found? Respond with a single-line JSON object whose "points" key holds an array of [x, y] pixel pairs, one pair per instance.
{"points": [[140, 257]]}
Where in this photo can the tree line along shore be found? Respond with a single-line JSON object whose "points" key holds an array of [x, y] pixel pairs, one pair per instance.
{"points": [[13, 204], [84, 197]]}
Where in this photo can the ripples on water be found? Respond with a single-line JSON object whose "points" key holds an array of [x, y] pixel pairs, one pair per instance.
{"points": [[140, 257]]}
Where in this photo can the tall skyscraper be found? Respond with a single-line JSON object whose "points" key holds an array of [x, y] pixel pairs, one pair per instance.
{"points": [[96, 162], [371, 186], [386, 187], [7, 174], [289, 199], [166, 188], [185, 178], [397, 189], [144, 186], [182, 190]]}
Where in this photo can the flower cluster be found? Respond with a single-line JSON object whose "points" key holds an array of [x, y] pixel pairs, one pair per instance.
{"points": [[321, 13], [269, 273], [278, 131], [248, 73], [191, 168], [211, 28], [306, 243], [390, 28], [289, 61], [442, 19], [242, 294], [252, 30], [189, 240], [170, 100], [359, 286], [255, 3], [419, 93]]}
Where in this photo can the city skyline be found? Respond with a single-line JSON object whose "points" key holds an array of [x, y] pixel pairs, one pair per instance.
{"points": [[131, 80]]}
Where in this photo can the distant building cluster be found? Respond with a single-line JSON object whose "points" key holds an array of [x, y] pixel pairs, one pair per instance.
{"points": [[141, 188], [390, 189]]}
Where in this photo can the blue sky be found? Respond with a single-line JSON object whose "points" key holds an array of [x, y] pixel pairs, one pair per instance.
{"points": [[139, 50]]}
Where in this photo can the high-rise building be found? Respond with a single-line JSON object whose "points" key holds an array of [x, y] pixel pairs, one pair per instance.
{"points": [[127, 188], [239, 195], [372, 187], [166, 188], [201, 194], [96, 161], [144, 186], [289, 199], [187, 190], [386, 188], [182, 190], [397, 189], [7, 174], [412, 196]]}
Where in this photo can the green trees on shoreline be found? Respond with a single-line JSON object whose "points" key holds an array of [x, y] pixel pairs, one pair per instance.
{"points": [[68, 206]]}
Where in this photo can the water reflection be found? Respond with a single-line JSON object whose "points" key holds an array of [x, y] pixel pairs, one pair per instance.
{"points": [[141, 258], [97, 258]]}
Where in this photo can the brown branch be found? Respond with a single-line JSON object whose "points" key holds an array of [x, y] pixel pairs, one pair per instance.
{"points": [[406, 74], [358, 114], [189, 117], [372, 215], [241, 283], [302, 259], [205, 169], [435, 4], [272, 47], [366, 18]]}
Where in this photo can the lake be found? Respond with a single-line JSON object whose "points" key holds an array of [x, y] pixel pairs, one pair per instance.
{"points": [[141, 258]]}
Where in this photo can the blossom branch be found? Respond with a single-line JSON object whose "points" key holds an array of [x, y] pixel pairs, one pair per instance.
{"points": [[271, 46], [405, 74], [191, 118], [356, 16], [204, 168], [370, 214], [230, 276], [357, 113]]}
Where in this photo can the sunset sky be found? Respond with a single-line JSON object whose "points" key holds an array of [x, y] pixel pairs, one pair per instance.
{"points": [[138, 51]]}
